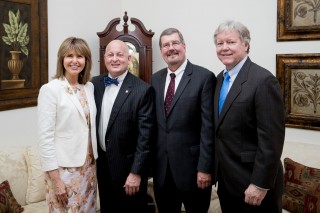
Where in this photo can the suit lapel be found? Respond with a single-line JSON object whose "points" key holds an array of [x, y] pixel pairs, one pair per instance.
{"points": [[235, 89], [100, 90], [124, 92], [216, 97], [70, 94], [162, 89], [182, 85], [98, 95]]}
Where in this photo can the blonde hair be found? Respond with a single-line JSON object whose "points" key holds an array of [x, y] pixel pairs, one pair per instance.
{"points": [[244, 33], [81, 47]]}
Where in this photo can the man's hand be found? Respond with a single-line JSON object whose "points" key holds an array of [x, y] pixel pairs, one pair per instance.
{"points": [[203, 180], [254, 195], [132, 184]]}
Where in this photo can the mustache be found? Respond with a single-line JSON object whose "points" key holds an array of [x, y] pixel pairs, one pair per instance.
{"points": [[172, 52]]}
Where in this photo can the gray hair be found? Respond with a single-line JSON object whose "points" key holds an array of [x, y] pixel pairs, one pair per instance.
{"points": [[230, 25], [170, 31]]}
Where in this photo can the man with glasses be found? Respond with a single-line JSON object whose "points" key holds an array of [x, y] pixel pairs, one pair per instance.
{"points": [[183, 149]]}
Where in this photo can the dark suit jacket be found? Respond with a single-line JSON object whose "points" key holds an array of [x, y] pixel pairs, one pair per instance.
{"points": [[250, 130], [129, 130], [185, 139]]}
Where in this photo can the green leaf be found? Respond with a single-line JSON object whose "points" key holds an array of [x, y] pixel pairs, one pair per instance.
{"points": [[19, 28], [12, 38], [18, 16], [25, 50], [13, 22], [7, 28], [22, 33], [25, 41], [17, 21], [6, 40]]}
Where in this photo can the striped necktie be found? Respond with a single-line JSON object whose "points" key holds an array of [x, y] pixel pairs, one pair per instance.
{"points": [[170, 94]]}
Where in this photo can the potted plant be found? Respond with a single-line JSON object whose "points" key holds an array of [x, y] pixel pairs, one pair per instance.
{"points": [[17, 36], [18, 39]]}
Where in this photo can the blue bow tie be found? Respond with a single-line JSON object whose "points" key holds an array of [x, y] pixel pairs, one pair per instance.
{"points": [[108, 81]]}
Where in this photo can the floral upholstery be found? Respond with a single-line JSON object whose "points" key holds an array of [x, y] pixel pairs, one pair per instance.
{"points": [[21, 166], [7, 201], [14, 169], [302, 188]]}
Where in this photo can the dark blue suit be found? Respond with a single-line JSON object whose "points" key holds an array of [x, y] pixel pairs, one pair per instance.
{"points": [[127, 139], [185, 139], [249, 139]]}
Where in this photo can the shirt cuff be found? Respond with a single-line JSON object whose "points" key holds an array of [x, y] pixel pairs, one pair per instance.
{"points": [[261, 188]]}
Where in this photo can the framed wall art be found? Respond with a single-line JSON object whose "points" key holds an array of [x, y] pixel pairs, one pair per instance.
{"points": [[298, 20], [299, 77], [23, 52], [138, 40]]}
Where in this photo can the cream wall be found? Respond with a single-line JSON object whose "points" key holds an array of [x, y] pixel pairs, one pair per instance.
{"points": [[197, 21]]}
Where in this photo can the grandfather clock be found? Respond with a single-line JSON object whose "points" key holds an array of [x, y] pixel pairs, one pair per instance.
{"points": [[139, 42]]}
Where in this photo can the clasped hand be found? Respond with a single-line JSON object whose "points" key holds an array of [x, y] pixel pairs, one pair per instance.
{"points": [[254, 195], [203, 180], [132, 184]]}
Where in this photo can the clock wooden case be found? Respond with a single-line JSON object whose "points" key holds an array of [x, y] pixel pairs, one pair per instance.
{"points": [[139, 42]]}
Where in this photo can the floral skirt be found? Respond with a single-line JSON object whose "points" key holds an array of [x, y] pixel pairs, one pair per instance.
{"points": [[81, 184]]}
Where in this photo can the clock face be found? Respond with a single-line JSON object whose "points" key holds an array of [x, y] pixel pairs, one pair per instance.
{"points": [[134, 64]]}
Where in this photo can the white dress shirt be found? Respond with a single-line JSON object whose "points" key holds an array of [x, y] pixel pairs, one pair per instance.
{"points": [[109, 96], [179, 73], [234, 71]]}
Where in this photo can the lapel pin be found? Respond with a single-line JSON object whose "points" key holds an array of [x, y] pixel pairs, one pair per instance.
{"points": [[127, 91]]}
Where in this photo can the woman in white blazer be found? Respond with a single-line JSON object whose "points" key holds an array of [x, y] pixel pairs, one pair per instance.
{"points": [[67, 132]]}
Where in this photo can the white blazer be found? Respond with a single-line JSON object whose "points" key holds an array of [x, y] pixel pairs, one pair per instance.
{"points": [[63, 130]]}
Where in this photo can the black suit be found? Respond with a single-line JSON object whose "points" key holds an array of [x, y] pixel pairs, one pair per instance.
{"points": [[127, 140], [249, 138], [185, 140]]}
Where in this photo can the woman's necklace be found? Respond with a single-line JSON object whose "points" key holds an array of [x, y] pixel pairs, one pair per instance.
{"points": [[76, 88]]}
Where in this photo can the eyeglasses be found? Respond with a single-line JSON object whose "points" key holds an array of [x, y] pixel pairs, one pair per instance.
{"points": [[174, 44]]}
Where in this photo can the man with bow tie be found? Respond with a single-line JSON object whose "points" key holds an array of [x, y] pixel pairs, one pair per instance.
{"points": [[125, 122]]}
